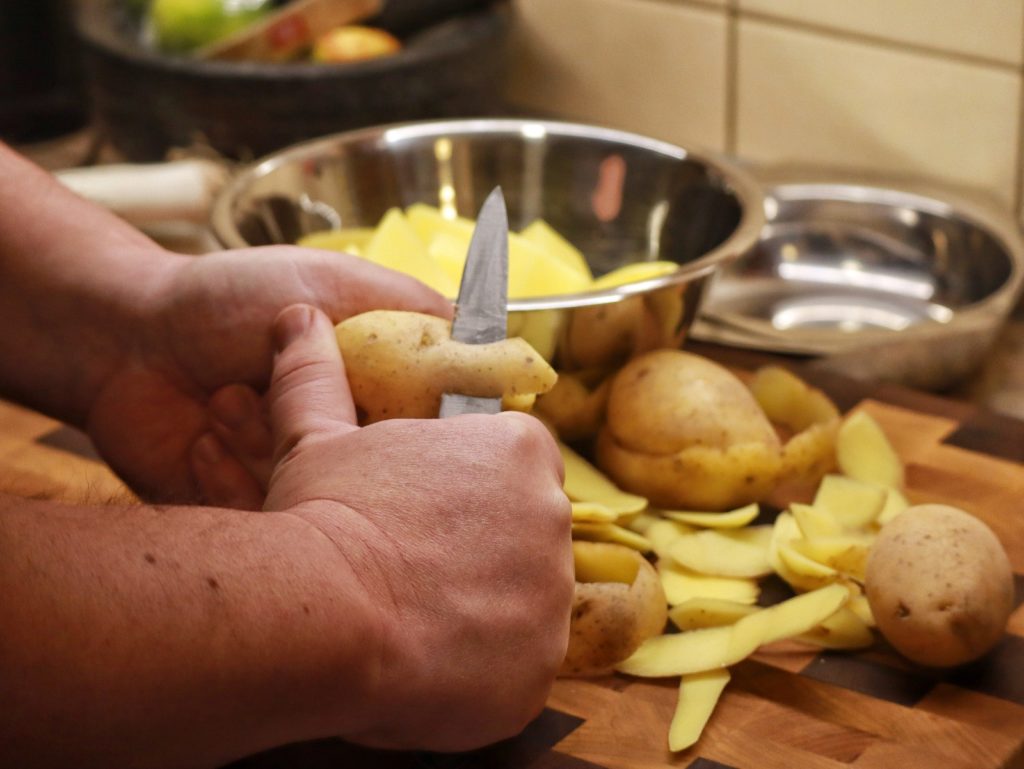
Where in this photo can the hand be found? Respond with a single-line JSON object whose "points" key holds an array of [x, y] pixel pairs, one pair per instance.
{"points": [[201, 352], [458, 529]]}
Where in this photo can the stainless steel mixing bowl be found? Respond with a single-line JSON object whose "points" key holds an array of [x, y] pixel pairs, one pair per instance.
{"points": [[882, 284], [619, 197]]}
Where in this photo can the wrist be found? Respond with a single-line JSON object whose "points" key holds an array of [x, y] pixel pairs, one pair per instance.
{"points": [[345, 683], [74, 282]]}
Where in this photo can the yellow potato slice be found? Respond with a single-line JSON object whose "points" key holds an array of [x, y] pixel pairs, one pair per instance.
{"points": [[428, 222], [853, 503], [843, 630], [864, 452], [698, 695], [814, 521], [541, 234], [585, 483], [396, 245], [681, 585], [695, 651], [449, 253], [592, 512], [662, 533], [859, 605], [725, 553], [699, 613], [641, 523], [846, 554], [784, 532], [895, 503], [733, 519], [609, 532], [799, 564]]}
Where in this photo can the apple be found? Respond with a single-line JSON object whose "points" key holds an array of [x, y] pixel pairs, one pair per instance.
{"points": [[354, 43], [184, 25]]}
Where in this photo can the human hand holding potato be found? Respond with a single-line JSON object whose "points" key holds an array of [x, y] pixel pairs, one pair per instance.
{"points": [[471, 612]]}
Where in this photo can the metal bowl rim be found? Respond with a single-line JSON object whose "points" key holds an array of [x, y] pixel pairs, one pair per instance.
{"points": [[735, 179]]}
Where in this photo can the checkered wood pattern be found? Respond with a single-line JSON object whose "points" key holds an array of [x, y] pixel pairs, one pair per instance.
{"points": [[785, 708]]}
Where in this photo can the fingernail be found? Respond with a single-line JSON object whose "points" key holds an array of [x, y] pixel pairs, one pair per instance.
{"points": [[208, 449], [232, 409], [291, 324]]}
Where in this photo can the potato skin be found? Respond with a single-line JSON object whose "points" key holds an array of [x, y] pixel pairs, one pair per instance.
{"points": [[611, 619], [399, 363], [687, 434], [940, 585]]}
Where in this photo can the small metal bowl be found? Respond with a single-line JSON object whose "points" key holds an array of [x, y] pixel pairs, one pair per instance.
{"points": [[882, 284], [619, 197]]}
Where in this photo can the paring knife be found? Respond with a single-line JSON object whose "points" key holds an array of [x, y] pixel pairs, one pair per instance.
{"points": [[481, 310]]}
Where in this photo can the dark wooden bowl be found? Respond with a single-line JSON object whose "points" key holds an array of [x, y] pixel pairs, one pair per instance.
{"points": [[145, 103]]}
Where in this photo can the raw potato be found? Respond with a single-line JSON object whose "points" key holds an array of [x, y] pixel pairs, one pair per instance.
{"points": [[399, 364], [940, 585], [618, 605], [687, 434]]}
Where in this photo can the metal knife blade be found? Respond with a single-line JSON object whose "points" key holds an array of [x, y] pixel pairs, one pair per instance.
{"points": [[481, 310]]}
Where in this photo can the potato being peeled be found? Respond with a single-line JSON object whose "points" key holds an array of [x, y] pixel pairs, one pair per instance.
{"points": [[687, 434], [619, 604], [940, 585], [400, 363]]}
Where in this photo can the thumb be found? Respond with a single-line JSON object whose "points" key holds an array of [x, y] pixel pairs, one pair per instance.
{"points": [[309, 392]]}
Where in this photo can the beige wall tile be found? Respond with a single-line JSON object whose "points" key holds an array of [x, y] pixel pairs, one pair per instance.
{"points": [[805, 99], [649, 66], [992, 29]]}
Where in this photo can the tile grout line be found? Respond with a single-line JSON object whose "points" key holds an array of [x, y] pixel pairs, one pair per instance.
{"points": [[898, 46], [731, 76], [1018, 175]]}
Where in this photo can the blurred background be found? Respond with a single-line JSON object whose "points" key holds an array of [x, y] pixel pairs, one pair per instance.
{"points": [[903, 91]]}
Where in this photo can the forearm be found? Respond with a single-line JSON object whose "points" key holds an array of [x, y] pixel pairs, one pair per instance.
{"points": [[72, 281], [176, 637]]}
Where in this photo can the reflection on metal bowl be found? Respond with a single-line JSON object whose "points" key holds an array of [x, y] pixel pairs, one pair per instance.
{"points": [[884, 284], [618, 197]]}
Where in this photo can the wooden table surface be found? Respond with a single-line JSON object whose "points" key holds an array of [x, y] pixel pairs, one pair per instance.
{"points": [[785, 708]]}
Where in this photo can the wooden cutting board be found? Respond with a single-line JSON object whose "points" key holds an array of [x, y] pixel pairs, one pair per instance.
{"points": [[785, 708]]}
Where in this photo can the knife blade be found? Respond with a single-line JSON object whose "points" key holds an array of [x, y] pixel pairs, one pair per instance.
{"points": [[481, 309]]}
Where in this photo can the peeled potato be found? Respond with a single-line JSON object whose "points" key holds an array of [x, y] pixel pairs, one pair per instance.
{"points": [[940, 585], [399, 364], [687, 434], [618, 605]]}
